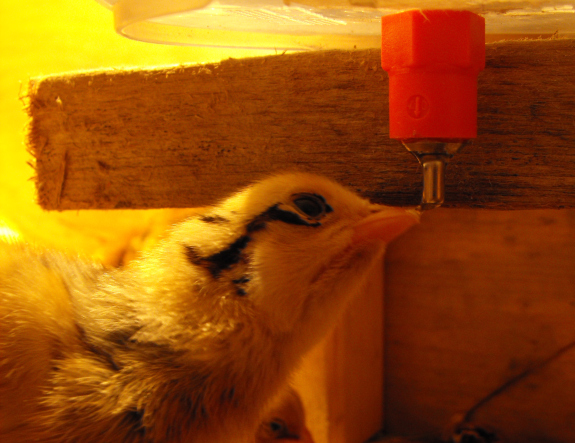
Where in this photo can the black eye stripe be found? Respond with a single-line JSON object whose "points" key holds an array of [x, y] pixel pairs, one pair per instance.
{"points": [[275, 213], [289, 217], [312, 210]]}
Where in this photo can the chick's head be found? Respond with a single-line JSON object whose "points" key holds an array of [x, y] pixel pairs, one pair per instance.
{"points": [[293, 247]]}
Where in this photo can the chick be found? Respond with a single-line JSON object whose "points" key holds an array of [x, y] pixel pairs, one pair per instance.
{"points": [[190, 342], [285, 421]]}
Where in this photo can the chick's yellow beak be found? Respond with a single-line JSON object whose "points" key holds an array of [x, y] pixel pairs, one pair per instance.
{"points": [[385, 225]]}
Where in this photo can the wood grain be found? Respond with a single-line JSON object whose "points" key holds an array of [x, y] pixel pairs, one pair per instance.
{"points": [[187, 136], [473, 299]]}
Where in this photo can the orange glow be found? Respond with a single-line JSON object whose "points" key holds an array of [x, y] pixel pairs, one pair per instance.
{"points": [[52, 36], [6, 233]]}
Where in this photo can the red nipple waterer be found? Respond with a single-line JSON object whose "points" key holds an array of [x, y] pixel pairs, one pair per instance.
{"points": [[433, 58]]}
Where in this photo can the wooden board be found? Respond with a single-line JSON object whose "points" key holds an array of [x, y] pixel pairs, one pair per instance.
{"points": [[473, 299], [186, 136]]}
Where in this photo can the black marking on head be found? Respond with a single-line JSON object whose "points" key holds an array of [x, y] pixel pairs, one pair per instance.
{"points": [[121, 336], [275, 213], [133, 419], [193, 256], [216, 219], [228, 257], [289, 217], [220, 261], [328, 208], [257, 224], [240, 281], [96, 350]]}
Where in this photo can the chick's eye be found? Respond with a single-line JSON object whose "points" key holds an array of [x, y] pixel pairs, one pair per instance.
{"points": [[278, 427], [312, 205]]}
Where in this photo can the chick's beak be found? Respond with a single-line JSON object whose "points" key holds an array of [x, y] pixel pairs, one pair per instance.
{"points": [[385, 225]]}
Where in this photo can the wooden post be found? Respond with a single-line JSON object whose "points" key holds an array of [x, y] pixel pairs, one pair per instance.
{"points": [[341, 380]]}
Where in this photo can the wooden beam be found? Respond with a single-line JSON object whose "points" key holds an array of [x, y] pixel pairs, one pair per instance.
{"points": [[187, 136]]}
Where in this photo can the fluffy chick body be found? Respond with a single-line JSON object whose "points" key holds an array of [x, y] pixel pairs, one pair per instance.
{"points": [[190, 342]]}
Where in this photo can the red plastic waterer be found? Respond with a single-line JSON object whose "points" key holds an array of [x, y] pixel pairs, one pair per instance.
{"points": [[433, 58]]}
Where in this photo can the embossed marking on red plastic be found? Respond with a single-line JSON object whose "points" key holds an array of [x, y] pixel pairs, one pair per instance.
{"points": [[433, 58]]}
